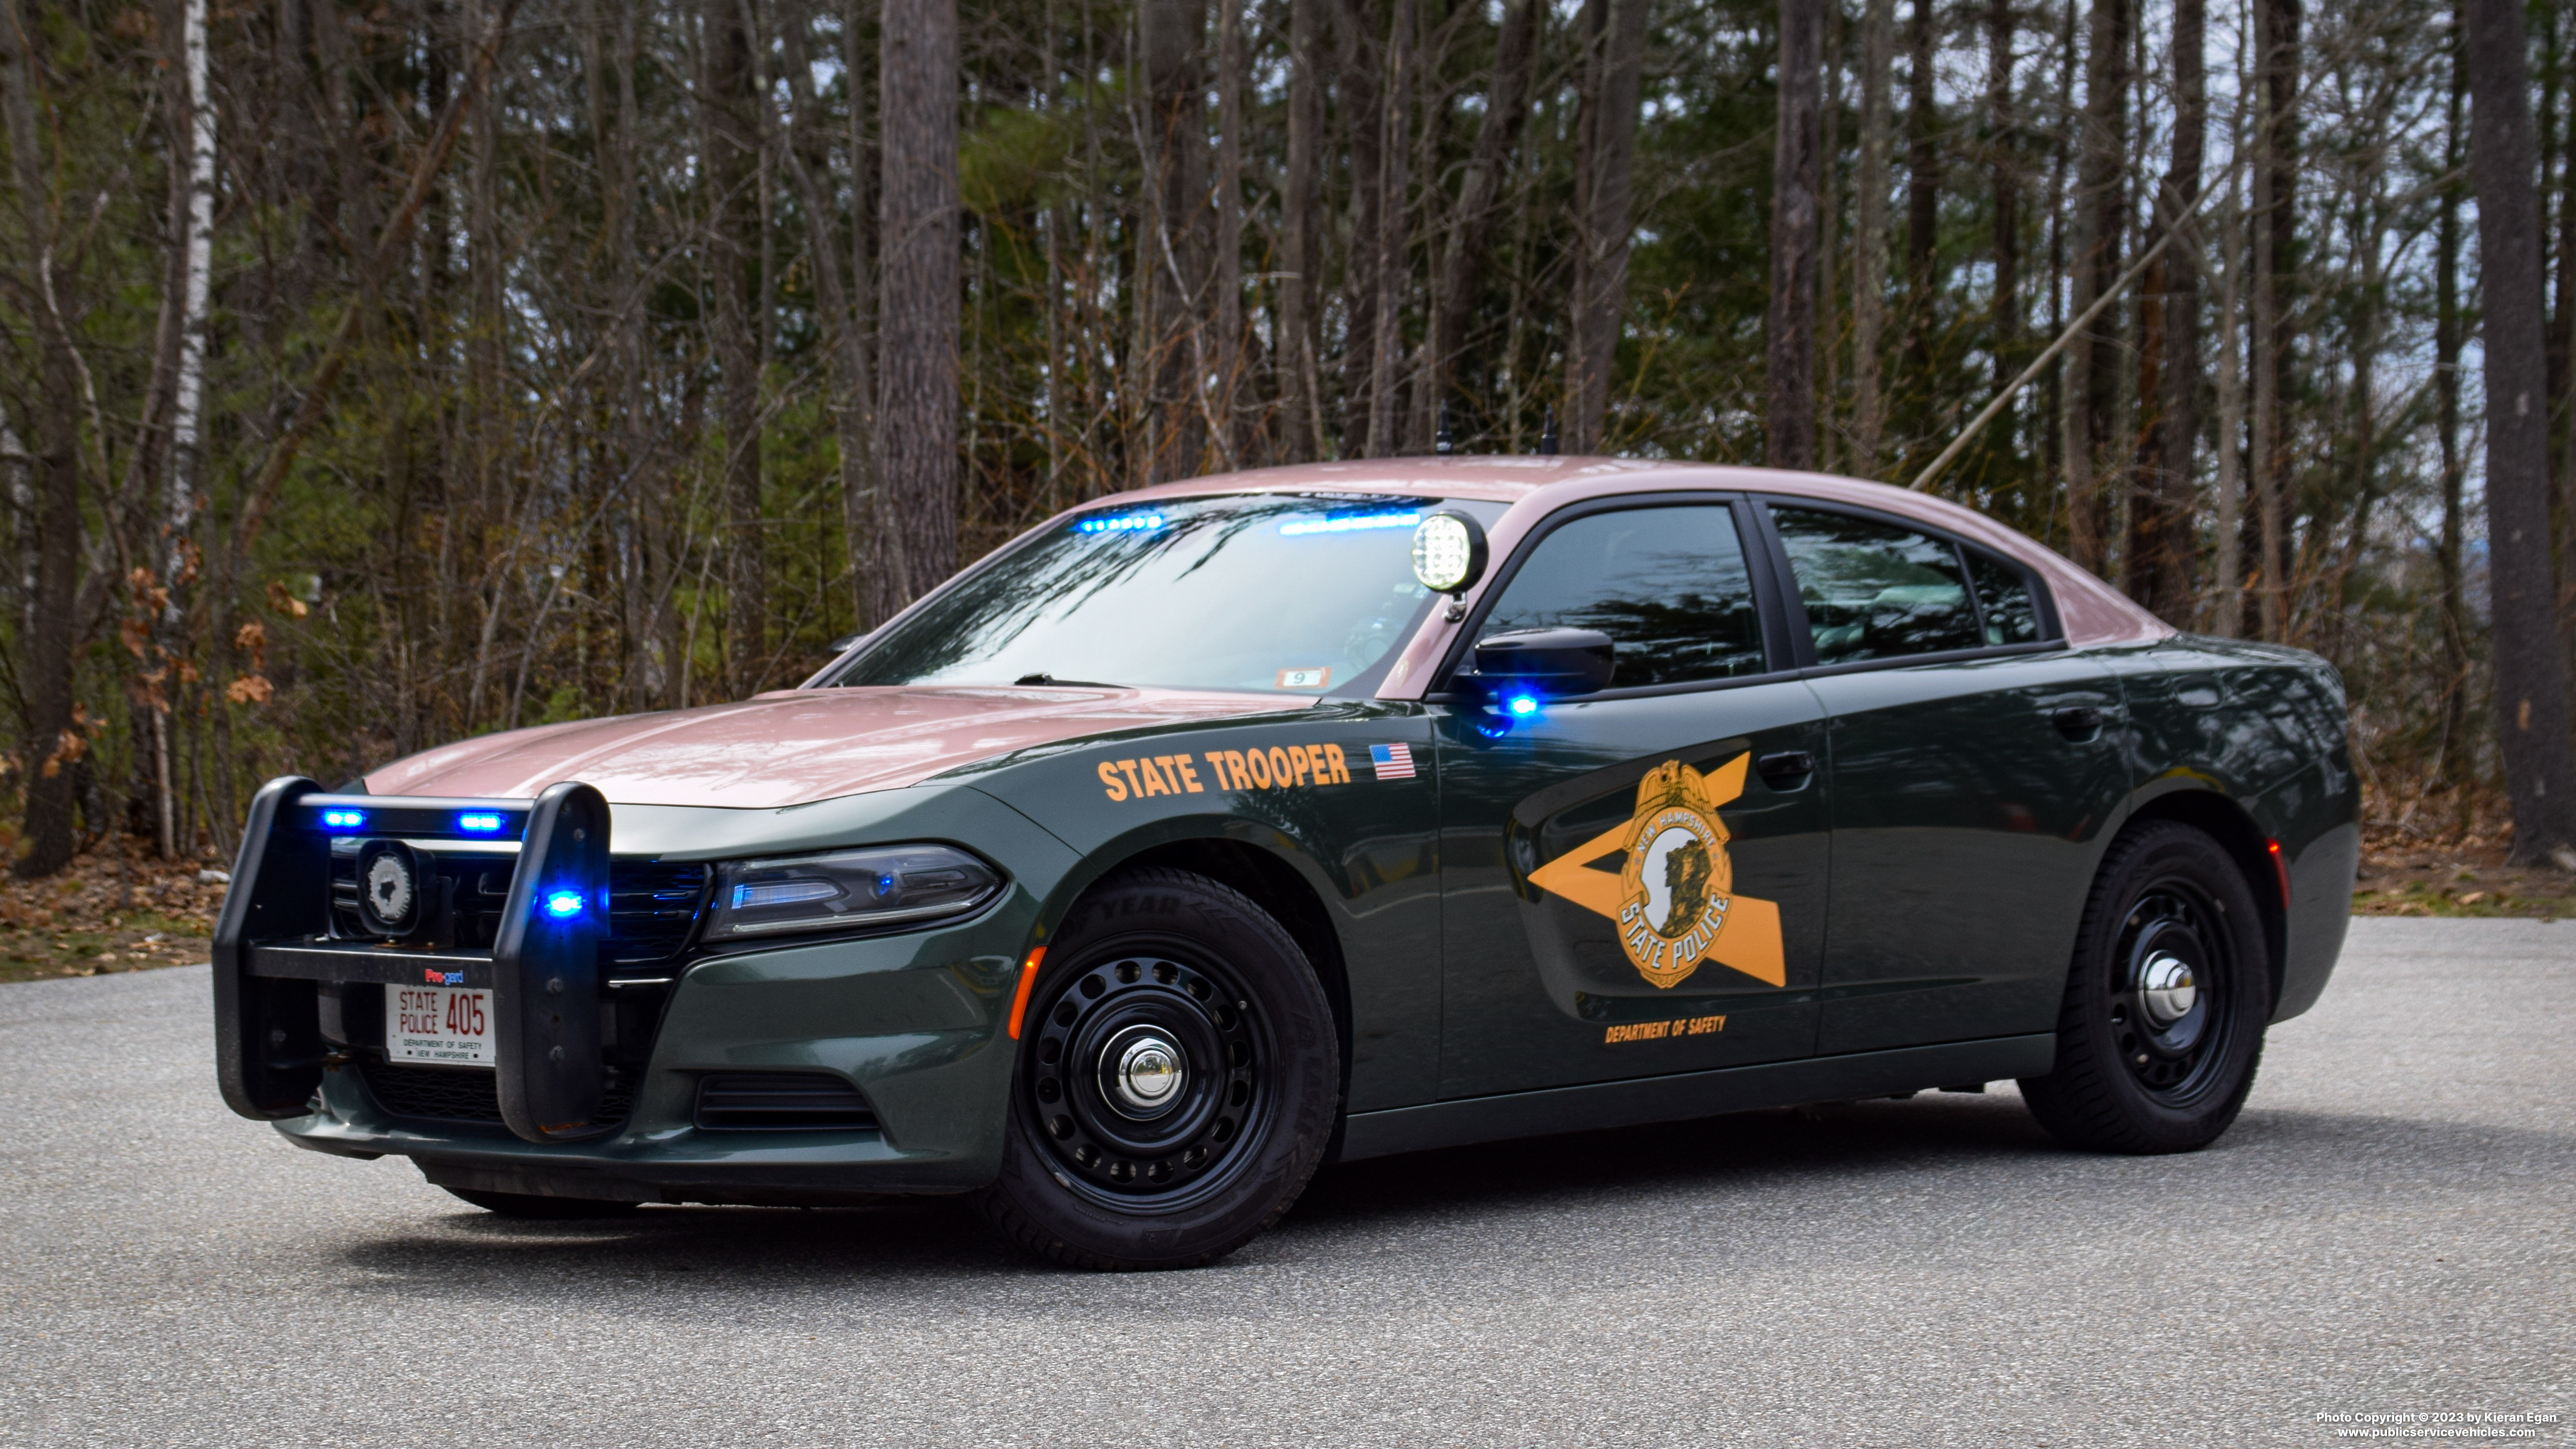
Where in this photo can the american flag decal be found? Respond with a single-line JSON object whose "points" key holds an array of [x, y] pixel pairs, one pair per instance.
{"points": [[1393, 762]]}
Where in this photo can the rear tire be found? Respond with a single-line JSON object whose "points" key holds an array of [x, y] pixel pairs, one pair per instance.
{"points": [[531, 1205], [1178, 1076], [2162, 1025]]}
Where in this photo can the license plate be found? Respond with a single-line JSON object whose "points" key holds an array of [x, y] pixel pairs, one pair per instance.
{"points": [[442, 1024]]}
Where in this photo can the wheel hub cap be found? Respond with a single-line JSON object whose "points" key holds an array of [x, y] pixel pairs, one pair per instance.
{"points": [[1142, 1073], [2166, 989]]}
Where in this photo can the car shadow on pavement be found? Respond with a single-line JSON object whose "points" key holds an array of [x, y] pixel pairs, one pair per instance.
{"points": [[1954, 1144], [1766, 1146]]}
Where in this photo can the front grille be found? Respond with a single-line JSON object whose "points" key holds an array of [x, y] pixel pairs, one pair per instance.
{"points": [[464, 1094], [780, 1102], [651, 904]]}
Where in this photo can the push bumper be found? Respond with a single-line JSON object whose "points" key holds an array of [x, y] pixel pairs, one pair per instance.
{"points": [[916, 1023]]}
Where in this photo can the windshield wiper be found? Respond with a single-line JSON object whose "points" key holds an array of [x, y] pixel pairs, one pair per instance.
{"points": [[1068, 683]]}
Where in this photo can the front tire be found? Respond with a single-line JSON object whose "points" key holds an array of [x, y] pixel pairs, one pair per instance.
{"points": [[1178, 1077], [2162, 1025]]}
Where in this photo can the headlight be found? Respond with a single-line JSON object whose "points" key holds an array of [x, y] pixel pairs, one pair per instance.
{"points": [[847, 890]]}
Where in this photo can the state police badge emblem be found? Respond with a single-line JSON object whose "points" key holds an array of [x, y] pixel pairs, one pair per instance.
{"points": [[1673, 899]]}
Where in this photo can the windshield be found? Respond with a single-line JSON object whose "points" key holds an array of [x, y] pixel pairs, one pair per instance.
{"points": [[1290, 593]]}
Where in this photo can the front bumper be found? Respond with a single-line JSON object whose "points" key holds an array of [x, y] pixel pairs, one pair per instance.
{"points": [[916, 1022]]}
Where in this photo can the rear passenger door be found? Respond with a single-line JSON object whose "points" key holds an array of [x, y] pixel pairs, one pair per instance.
{"points": [[1974, 771], [1625, 891]]}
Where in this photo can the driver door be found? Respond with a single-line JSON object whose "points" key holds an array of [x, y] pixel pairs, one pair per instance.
{"points": [[1633, 882]]}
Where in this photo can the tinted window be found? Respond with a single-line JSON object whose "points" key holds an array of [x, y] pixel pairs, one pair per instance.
{"points": [[1666, 584], [1873, 590], [2004, 595]]}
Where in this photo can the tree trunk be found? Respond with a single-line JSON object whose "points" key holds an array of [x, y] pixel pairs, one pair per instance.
{"points": [[2532, 719], [2093, 364], [1232, 349], [50, 648], [2228, 617], [2452, 760], [733, 254], [179, 508], [1471, 230], [2161, 532], [2274, 235], [1301, 431], [1386, 343], [917, 376], [1791, 437], [2005, 172], [1922, 195], [1173, 246], [1869, 236], [1603, 221], [1363, 88]]}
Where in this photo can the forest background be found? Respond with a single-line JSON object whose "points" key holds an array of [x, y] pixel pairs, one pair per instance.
{"points": [[379, 372]]}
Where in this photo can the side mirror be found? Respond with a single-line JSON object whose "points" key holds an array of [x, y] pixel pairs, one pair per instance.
{"points": [[1527, 666]]}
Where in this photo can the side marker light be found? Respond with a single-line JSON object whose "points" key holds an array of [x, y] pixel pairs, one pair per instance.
{"points": [[1028, 978], [2280, 871]]}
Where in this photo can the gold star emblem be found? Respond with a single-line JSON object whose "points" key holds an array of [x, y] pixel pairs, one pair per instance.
{"points": [[1673, 896]]}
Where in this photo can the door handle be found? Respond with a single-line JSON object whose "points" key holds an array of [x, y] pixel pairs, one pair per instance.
{"points": [[1788, 769], [2078, 722]]}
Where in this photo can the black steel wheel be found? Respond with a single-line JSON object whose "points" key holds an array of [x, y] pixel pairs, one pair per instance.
{"points": [[1176, 1082], [2162, 1025]]}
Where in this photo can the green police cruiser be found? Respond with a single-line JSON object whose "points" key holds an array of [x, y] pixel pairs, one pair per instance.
{"points": [[1210, 833]]}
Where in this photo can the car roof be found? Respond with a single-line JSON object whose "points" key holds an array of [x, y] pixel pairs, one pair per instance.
{"points": [[2091, 611]]}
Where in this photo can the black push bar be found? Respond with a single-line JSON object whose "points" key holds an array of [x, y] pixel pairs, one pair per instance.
{"points": [[274, 947]]}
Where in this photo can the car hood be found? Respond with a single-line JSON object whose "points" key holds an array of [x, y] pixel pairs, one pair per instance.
{"points": [[797, 746]]}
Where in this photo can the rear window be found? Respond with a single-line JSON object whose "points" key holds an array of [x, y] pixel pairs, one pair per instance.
{"points": [[1874, 590]]}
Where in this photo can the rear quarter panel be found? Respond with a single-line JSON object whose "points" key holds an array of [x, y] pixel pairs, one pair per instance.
{"points": [[2262, 728]]}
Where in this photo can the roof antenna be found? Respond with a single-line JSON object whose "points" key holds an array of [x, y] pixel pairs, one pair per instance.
{"points": [[1547, 434], [1444, 444]]}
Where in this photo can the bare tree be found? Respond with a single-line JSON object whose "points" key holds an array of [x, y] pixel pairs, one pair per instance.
{"points": [[1472, 221], [1605, 191], [2162, 538], [1869, 236], [2532, 720], [1791, 437], [917, 381], [51, 746], [2100, 203], [1173, 245], [1300, 412]]}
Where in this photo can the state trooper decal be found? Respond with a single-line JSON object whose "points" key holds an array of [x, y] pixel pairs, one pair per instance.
{"points": [[1673, 896]]}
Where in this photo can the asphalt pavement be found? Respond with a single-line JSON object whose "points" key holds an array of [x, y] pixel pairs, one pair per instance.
{"points": [[2390, 1229]]}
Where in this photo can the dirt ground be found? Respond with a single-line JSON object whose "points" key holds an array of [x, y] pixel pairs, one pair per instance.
{"points": [[101, 916], [2462, 876]]}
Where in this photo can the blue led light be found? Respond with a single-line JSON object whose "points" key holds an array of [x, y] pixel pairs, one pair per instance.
{"points": [[344, 819], [479, 824], [563, 905], [1121, 523], [1521, 706], [1350, 523]]}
